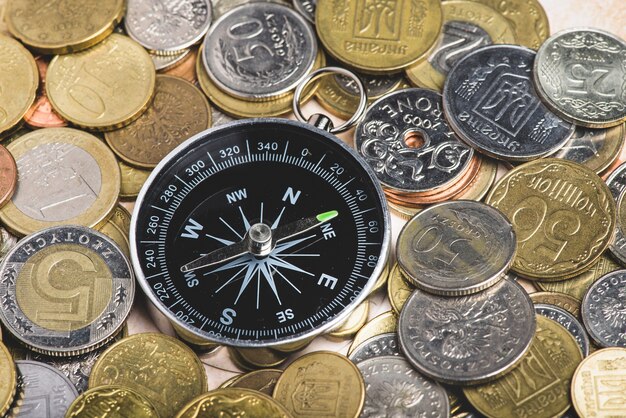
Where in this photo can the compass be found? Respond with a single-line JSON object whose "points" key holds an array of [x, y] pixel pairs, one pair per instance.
{"points": [[260, 233]]}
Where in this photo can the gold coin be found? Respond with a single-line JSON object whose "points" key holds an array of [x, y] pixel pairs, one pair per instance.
{"points": [[227, 383], [8, 381], [102, 88], [561, 300], [263, 381], [178, 111], [467, 25], [398, 289], [257, 358], [378, 36], [193, 340], [65, 176], [19, 78], [233, 402], [353, 323], [382, 324], [578, 285], [563, 215], [293, 347], [118, 229], [382, 279], [527, 18], [132, 180], [157, 366], [321, 372], [538, 386], [239, 108], [598, 388], [111, 401]]}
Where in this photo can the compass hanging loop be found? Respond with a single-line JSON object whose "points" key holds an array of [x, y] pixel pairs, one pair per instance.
{"points": [[321, 121]]}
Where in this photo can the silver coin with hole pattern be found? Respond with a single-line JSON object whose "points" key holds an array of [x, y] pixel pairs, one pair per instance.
{"points": [[617, 184], [379, 345], [568, 321], [307, 8], [603, 310]]}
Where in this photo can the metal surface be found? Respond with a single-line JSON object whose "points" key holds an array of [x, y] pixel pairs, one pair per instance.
{"points": [[603, 310], [568, 321]]}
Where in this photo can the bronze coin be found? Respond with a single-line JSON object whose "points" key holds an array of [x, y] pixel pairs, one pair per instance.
{"points": [[8, 176]]}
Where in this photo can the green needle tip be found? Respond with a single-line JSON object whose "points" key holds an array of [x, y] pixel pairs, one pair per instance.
{"points": [[327, 216]]}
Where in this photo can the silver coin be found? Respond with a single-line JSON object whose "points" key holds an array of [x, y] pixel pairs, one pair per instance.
{"points": [[456, 248], [449, 50], [221, 7], [163, 62], [394, 389], [588, 144], [379, 345], [307, 8], [470, 339], [603, 310], [167, 26], [568, 321], [617, 184], [491, 103], [218, 118], [580, 74], [259, 50], [7, 241], [436, 157], [65, 290], [42, 391]]}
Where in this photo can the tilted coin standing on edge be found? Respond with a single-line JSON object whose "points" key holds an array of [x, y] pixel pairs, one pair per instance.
{"points": [[119, 401], [234, 402], [379, 345], [52, 270], [491, 103], [603, 310], [568, 321], [468, 339], [580, 73], [456, 248]]}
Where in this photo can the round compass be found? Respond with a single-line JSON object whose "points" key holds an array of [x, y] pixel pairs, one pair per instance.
{"points": [[260, 233]]}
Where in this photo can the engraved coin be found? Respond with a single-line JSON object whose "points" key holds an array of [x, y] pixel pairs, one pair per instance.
{"points": [[233, 402], [65, 176], [167, 27], [603, 310], [18, 75], [322, 372], [580, 73], [563, 301], [594, 148], [61, 27], [394, 389], [8, 176], [539, 385], [7, 241], [118, 229], [382, 324], [66, 290], [157, 366], [132, 178], [85, 87], [116, 401], [8, 382], [490, 102], [379, 345], [456, 248], [259, 51], [307, 8], [41, 389], [398, 289], [263, 381], [406, 140], [467, 26], [470, 339], [597, 386], [568, 321], [378, 36], [178, 111], [617, 184], [562, 213], [41, 114]]}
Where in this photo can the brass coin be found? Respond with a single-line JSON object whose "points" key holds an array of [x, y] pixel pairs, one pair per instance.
{"points": [[8, 381], [398, 289], [467, 25], [178, 111], [196, 343], [544, 373], [228, 382], [598, 385], [118, 229], [258, 358], [85, 88], [382, 324], [578, 285], [321, 372], [563, 215], [233, 402], [133, 179], [382, 279], [561, 300], [353, 323], [378, 36], [20, 77], [294, 346], [66, 176], [62, 27], [111, 401], [263, 381], [157, 366]]}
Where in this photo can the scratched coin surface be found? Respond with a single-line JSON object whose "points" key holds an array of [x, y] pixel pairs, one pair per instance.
{"points": [[178, 111], [157, 366], [456, 248], [594, 148], [234, 402], [259, 50], [580, 74], [468, 339], [42, 391], [8, 382], [167, 27], [568, 321], [491, 103], [65, 176], [66, 290], [393, 388], [617, 184], [406, 140], [603, 310], [562, 213], [114, 401]]}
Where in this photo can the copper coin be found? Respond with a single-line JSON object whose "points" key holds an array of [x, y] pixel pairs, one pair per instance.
{"points": [[8, 176], [186, 68], [41, 114]]}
